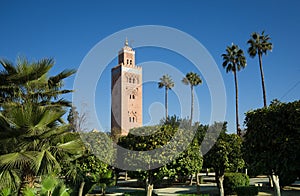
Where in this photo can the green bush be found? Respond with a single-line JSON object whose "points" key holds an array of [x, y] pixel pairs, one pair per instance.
{"points": [[246, 190], [234, 180]]}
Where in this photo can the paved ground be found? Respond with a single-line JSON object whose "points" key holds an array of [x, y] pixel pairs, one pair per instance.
{"points": [[208, 187]]}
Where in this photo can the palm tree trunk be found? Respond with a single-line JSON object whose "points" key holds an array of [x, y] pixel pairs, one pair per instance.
{"points": [[81, 188], [192, 104], [238, 131], [262, 79], [166, 103]]}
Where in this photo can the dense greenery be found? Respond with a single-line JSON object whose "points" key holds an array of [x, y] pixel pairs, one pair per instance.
{"points": [[40, 153], [225, 155], [233, 181], [33, 135], [186, 163], [271, 143]]}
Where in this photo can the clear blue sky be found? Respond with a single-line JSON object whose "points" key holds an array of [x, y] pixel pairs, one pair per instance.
{"points": [[67, 31]]}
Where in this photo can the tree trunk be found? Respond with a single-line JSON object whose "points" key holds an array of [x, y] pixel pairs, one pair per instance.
{"points": [[192, 104], [262, 79], [275, 180], [81, 188], [198, 179], [149, 189], [238, 130], [166, 103], [220, 182], [191, 180]]}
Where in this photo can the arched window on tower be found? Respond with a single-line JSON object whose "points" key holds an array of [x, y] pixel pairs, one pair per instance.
{"points": [[132, 119], [133, 80], [129, 119], [129, 80], [130, 62], [129, 96], [133, 97], [127, 61]]}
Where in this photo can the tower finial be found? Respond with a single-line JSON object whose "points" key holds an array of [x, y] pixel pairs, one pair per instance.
{"points": [[126, 42]]}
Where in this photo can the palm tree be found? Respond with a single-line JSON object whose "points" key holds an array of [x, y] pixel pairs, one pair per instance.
{"points": [[192, 79], [34, 142], [234, 60], [166, 82], [259, 45], [34, 139], [29, 82]]}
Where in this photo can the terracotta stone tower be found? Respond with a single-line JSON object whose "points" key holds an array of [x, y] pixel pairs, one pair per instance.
{"points": [[126, 93]]}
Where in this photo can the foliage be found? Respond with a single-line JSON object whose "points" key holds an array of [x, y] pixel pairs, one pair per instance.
{"points": [[247, 190], [29, 191], [29, 82], [184, 164], [32, 133], [73, 118], [271, 144], [225, 155], [234, 180], [259, 44], [51, 185], [88, 169], [5, 192]]}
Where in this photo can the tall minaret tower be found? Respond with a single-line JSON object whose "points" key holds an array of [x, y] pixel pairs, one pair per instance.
{"points": [[126, 93]]}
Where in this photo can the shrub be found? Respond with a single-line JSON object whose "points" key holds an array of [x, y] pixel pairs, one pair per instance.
{"points": [[247, 190], [234, 180]]}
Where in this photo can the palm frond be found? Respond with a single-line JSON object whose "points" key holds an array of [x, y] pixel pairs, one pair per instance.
{"points": [[55, 80], [10, 179]]}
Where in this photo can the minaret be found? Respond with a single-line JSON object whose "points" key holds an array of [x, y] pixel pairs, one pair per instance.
{"points": [[126, 93]]}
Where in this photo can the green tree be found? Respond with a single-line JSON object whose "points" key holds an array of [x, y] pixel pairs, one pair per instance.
{"points": [[271, 143], [139, 139], [259, 45], [73, 119], [33, 136], [225, 155], [167, 83], [29, 82], [233, 61], [33, 142], [192, 79]]}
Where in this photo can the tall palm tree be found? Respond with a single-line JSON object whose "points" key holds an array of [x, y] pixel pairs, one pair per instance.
{"points": [[233, 61], [192, 79], [166, 82], [259, 45]]}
